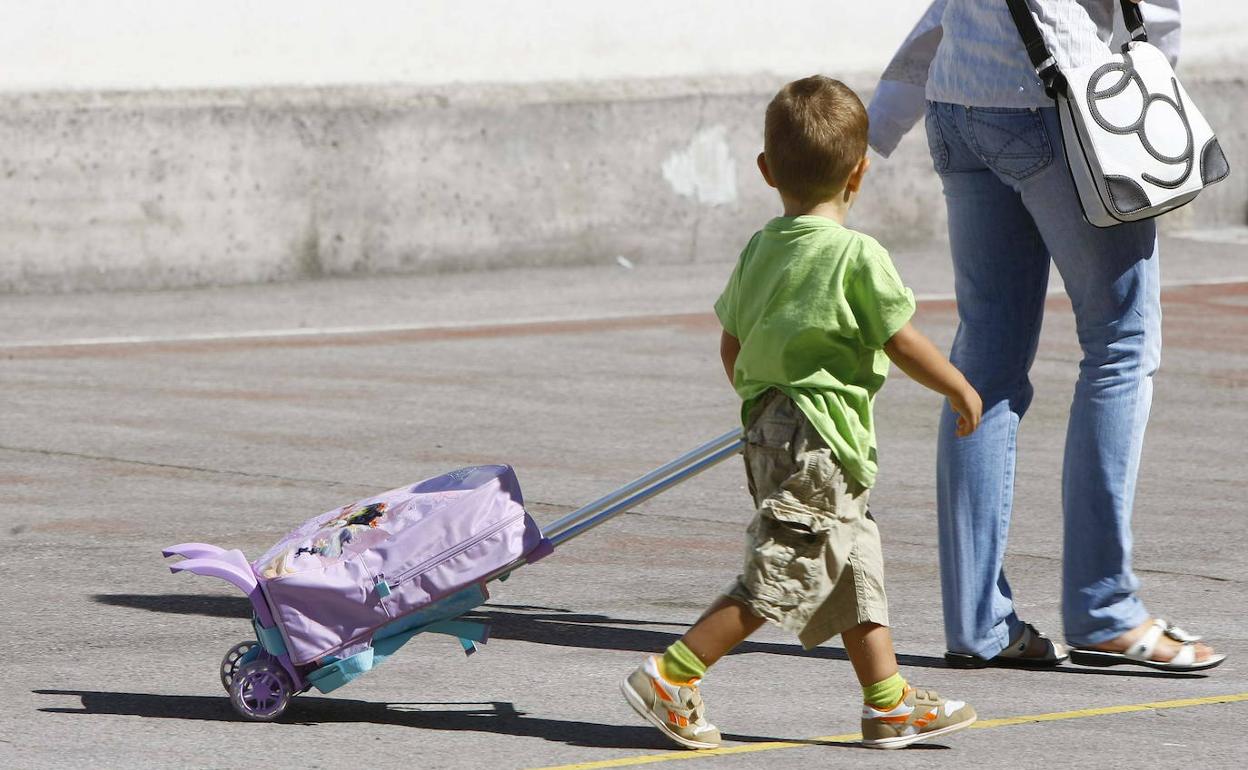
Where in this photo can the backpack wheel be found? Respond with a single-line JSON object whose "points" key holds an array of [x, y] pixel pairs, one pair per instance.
{"points": [[261, 690], [243, 652]]}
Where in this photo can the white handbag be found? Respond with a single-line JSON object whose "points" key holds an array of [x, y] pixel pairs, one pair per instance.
{"points": [[1136, 145]]}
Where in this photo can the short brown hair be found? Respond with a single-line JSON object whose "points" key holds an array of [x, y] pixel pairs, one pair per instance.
{"points": [[815, 133]]}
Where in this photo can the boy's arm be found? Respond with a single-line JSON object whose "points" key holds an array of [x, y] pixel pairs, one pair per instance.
{"points": [[729, 347], [915, 355]]}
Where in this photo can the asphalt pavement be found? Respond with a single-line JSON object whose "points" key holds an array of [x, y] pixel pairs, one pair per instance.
{"points": [[129, 422]]}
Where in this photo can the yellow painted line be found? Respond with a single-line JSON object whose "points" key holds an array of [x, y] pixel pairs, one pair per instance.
{"points": [[983, 724], [677, 756], [1081, 713]]}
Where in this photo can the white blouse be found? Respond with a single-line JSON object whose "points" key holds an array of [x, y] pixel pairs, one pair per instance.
{"points": [[969, 52]]}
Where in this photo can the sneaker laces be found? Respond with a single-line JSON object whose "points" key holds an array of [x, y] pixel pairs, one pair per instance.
{"points": [[690, 703], [688, 698]]}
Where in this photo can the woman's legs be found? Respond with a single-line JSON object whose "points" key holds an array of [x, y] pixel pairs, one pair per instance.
{"points": [[1001, 269], [1112, 278]]}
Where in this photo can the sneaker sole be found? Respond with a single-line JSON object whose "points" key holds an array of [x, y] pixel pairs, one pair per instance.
{"points": [[639, 705], [905, 740]]}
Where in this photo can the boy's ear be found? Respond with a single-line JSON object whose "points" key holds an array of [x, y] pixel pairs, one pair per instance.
{"points": [[766, 172], [854, 183]]}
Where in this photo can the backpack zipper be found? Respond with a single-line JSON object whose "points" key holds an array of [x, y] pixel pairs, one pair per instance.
{"points": [[449, 553]]}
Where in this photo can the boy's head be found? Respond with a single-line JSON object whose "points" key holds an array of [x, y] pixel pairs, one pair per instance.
{"points": [[814, 140]]}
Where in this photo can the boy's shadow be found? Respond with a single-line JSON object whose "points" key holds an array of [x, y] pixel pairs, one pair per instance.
{"points": [[536, 625], [564, 628], [498, 717]]}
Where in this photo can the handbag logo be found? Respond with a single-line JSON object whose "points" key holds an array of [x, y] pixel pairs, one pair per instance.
{"points": [[1130, 76]]}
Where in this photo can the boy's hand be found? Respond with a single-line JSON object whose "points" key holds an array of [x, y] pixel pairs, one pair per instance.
{"points": [[970, 409], [915, 355]]}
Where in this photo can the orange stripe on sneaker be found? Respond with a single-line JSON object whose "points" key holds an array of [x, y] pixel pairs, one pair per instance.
{"points": [[677, 719], [926, 719], [662, 691]]}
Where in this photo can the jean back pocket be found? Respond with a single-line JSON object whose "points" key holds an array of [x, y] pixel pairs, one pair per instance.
{"points": [[1011, 141]]}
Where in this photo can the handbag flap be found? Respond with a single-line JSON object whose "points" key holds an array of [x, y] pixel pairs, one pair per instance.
{"points": [[1138, 126]]}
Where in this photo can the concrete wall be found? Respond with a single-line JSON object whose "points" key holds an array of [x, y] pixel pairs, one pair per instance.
{"points": [[171, 189], [181, 44], [297, 158]]}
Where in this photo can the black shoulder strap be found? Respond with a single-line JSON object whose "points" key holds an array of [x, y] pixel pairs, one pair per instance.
{"points": [[1038, 51], [1133, 20]]}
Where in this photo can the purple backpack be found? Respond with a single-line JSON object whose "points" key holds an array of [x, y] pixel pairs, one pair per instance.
{"points": [[343, 592], [344, 574]]}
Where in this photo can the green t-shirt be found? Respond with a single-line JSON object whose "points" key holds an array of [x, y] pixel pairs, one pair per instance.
{"points": [[813, 303]]}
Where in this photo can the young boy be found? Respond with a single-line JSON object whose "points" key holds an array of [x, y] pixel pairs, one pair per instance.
{"points": [[811, 316]]}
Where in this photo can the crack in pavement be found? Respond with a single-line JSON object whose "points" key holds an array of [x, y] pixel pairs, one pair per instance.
{"points": [[177, 467], [560, 508], [677, 517], [1045, 557]]}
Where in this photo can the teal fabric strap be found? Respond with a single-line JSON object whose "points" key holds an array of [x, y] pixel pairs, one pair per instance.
{"points": [[446, 608], [270, 638], [441, 617], [338, 671], [469, 632]]}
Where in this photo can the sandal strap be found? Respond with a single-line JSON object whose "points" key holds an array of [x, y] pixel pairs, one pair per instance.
{"points": [[1143, 648], [1179, 635], [1186, 655], [1017, 650]]}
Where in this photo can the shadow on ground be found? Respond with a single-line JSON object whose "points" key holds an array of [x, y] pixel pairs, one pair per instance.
{"points": [[498, 717], [522, 623], [565, 628]]}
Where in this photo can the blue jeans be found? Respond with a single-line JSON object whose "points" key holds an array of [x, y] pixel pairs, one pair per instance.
{"points": [[1013, 207]]}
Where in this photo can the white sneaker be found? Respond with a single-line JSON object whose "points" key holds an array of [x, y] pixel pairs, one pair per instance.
{"points": [[676, 709], [919, 715]]}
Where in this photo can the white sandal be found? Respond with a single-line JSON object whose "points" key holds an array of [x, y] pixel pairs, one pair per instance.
{"points": [[1141, 652], [1179, 635]]}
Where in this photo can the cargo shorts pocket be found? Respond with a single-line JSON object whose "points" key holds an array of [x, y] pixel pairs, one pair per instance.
{"points": [[770, 445], [785, 571], [813, 495]]}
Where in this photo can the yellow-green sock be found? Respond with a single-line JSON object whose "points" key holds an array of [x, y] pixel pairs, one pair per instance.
{"points": [[679, 664], [886, 693]]}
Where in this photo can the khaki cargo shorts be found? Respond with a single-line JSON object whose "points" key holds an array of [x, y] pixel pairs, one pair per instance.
{"points": [[813, 562]]}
